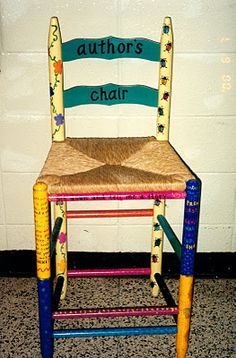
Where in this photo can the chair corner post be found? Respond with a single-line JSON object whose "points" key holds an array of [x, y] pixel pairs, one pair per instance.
{"points": [[56, 84], [42, 238], [42, 231], [190, 231], [190, 226], [165, 80]]}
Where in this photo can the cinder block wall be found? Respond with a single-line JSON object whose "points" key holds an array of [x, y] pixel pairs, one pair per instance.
{"points": [[203, 124]]}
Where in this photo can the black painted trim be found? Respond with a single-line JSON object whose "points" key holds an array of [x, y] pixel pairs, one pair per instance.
{"points": [[208, 265]]}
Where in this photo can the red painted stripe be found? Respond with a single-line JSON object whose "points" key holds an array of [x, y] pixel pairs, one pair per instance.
{"points": [[109, 272], [108, 213]]}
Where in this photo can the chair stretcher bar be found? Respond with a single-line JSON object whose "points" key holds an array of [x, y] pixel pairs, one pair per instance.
{"points": [[174, 241], [166, 293], [108, 213], [57, 292], [114, 312], [55, 233], [105, 332], [145, 271], [119, 196]]}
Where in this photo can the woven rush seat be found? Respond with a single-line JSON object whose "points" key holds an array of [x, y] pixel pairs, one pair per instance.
{"points": [[89, 165]]}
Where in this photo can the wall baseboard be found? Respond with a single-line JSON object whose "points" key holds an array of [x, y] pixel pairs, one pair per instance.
{"points": [[207, 265]]}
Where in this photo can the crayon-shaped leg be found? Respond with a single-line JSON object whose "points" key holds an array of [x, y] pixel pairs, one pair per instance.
{"points": [[42, 237], [157, 244], [190, 230], [61, 245]]}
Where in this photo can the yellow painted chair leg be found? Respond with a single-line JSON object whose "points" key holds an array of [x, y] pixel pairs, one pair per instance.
{"points": [[43, 260], [42, 231], [157, 244], [61, 245], [185, 304]]}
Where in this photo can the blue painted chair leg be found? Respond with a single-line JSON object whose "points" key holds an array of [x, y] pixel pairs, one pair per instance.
{"points": [[45, 317], [190, 231]]}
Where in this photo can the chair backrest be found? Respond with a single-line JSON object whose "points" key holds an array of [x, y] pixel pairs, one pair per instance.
{"points": [[109, 48]]}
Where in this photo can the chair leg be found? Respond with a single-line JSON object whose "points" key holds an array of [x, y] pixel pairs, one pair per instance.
{"points": [[42, 237], [61, 245], [190, 230], [157, 245]]}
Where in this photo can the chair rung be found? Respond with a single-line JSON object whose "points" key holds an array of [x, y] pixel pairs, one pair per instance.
{"points": [[119, 196], [165, 292], [110, 272], [174, 241], [108, 213], [115, 312], [103, 332], [57, 292], [55, 233]]}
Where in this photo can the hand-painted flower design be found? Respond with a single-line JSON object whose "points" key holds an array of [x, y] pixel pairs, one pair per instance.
{"points": [[58, 67], [62, 238], [59, 119], [62, 265], [51, 91]]}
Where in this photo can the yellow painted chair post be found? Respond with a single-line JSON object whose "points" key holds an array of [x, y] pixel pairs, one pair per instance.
{"points": [[162, 134], [58, 134], [165, 81]]}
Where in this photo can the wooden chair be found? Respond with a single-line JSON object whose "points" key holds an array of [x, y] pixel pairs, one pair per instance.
{"points": [[114, 169]]}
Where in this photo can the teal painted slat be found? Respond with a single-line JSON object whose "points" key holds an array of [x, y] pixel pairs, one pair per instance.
{"points": [[110, 94], [110, 48]]}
